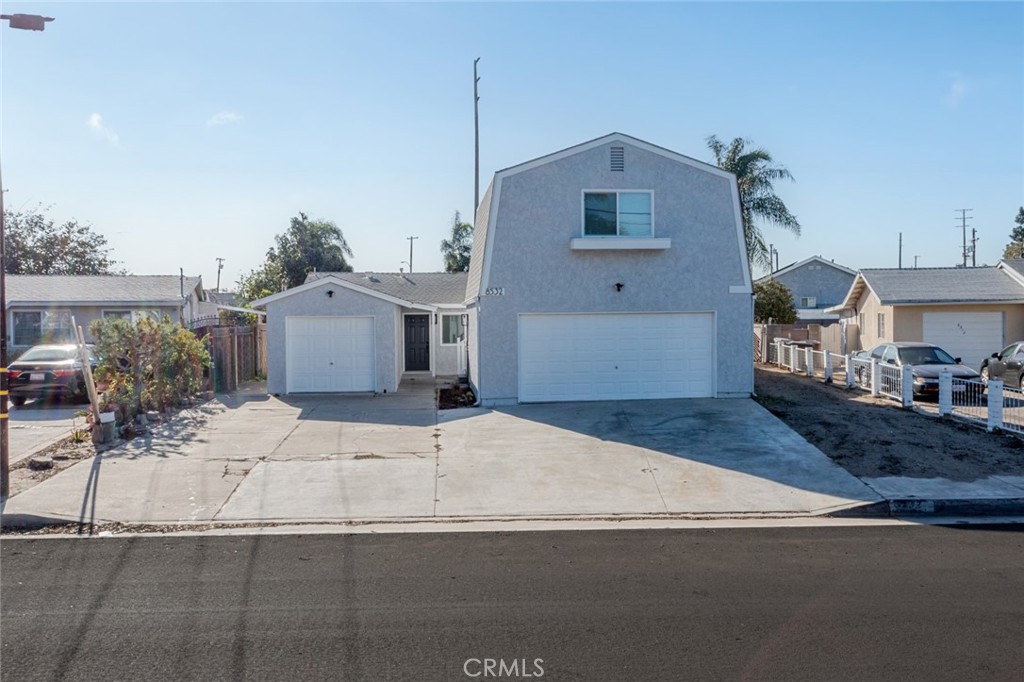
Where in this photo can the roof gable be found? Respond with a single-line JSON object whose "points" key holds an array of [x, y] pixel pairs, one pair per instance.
{"points": [[424, 291], [813, 260]]}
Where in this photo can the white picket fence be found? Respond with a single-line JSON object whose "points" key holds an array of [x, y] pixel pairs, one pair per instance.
{"points": [[993, 405]]}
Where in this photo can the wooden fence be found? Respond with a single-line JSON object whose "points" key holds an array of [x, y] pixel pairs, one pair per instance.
{"points": [[238, 353], [838, 338]]}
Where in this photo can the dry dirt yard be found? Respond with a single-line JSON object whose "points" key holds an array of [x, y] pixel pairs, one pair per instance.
{"points": [[875, 437]]}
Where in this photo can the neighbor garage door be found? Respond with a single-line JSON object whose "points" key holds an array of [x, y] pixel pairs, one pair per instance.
{"points": [[970, 336], [615, 356], [329, 354]]}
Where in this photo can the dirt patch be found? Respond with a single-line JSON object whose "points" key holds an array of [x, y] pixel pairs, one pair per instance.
{"points": [[875, 437], [455, 396]]}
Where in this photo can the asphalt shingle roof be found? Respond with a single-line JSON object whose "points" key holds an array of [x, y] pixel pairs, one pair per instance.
{"points": [[943, 285], [97, 288], [429, 288], [1017, 264]]}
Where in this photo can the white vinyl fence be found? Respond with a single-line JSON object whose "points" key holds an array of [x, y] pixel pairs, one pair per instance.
{"points": [[992, 405]]}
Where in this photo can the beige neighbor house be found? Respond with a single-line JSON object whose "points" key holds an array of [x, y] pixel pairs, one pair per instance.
{"points": [[970, 312], [40, 307]]}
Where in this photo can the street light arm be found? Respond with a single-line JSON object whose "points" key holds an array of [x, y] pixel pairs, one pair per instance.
{"points": [[28, 22]]}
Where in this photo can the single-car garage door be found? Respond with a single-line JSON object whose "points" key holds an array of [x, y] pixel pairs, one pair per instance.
{"points": [[329, 354], [615, 356], [969, 336]]}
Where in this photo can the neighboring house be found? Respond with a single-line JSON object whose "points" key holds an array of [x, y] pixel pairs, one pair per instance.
{"points": [[611, 270], [816, 284], [344, 331], [213, 302], [40, 307], [970, 312]]}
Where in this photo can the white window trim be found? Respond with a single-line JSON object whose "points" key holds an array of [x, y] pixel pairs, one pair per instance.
{"points": [[462, 322], [808, 301], [583, 214], [881, 325]]}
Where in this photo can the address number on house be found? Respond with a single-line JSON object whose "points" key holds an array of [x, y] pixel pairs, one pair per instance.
{"points": [[494, 291]]}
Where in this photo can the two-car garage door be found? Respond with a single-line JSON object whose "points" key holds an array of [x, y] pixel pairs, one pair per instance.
{"points": [[329, 354], [615, 356]]}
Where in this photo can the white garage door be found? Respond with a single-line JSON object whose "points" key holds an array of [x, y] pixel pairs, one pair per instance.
{"points": [[329, 354], [615, 356], [970, 336]]}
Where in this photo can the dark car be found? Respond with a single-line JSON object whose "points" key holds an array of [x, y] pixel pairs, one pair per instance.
{"points": [[927, 362], [1006, 365], [49, 371]]}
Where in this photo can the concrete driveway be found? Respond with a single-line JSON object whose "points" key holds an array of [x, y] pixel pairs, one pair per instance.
{"points": [[257, 458], [38, 425]]}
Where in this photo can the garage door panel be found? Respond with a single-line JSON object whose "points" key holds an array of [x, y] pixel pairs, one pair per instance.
{"points": [[615, 356], [969, 336], [330, 354]]}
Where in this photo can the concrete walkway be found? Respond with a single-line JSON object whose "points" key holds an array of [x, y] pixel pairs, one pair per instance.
{"points": [[254, 458]]}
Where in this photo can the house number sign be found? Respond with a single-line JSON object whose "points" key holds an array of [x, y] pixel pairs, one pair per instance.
{"points": [[494, 291]]}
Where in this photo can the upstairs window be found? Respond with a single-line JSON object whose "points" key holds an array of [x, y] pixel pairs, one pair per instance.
{"points": [[808, 302], [618, 214]]}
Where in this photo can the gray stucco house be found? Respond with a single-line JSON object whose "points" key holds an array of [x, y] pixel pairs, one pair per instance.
{"points": [[352, 332], [816, 284], [612, 270], [615, 269], [40, 307]]}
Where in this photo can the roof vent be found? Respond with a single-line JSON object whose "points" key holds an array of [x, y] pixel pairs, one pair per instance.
{"points": [[618, 159]]}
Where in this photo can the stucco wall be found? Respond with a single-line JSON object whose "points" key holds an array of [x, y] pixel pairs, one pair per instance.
{"points": [[828, 285], [540, 210], [869, 305], [345, 302]]}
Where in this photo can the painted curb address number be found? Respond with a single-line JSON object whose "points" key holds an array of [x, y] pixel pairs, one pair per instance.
{"points": [[494, 291]]}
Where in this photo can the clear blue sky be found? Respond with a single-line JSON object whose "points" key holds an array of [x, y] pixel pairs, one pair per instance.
{"points": [[190, 131]]}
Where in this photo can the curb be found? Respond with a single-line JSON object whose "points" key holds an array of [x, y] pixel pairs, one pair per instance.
{"points": [[1001, 506]]}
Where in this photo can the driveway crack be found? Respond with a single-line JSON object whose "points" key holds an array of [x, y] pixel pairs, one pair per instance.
{"points": [[647, 458]]}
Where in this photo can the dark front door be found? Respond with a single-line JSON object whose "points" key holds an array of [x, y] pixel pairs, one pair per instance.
{"points": [[417, 343]]}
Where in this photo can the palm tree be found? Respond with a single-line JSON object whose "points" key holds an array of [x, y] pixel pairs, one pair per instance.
{"points": [[755, 174]]}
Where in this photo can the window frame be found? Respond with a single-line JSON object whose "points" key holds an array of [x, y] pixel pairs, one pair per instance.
{"points": [[808, 301], [14, 327], [117, 314], [617, 235], [881, 325], [462, 325]]}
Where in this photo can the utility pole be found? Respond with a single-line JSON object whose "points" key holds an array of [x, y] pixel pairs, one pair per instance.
{"points": [[476, 149], [410, 252], [963, 226], [220, 266], [27, 22], [900, 261], [915, 262], [974, 248]]}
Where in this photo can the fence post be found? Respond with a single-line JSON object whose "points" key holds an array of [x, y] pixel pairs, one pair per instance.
{"points": [[850, 378], [809, 360], [778, 354], [828, 367], [995, 404], [945, 393], [876, 377], [907, 385]]}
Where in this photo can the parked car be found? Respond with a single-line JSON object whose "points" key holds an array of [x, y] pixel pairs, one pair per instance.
{"points": [[1006, 365], [927, 362], [49, 371]]}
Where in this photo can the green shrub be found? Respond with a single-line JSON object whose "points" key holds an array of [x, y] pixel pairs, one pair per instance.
{"points": [[148, 365]]}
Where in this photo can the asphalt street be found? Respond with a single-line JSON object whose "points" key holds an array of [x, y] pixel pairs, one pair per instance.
{"points": [[826, 603]]}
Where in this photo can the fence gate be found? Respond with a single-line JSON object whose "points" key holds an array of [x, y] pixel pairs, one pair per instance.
{"points": [[237, 354]]}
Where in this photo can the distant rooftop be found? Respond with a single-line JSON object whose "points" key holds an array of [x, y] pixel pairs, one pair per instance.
{"points": [[942, 285], [128, 289]]}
